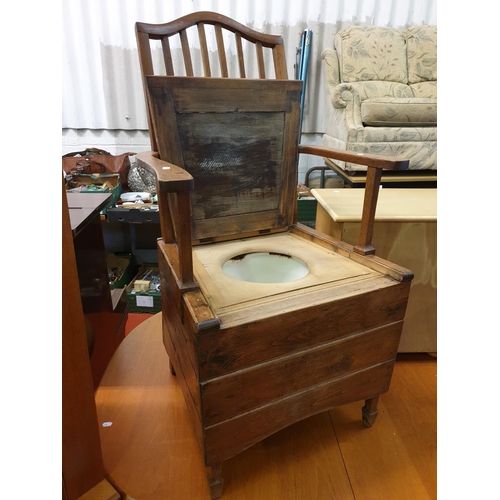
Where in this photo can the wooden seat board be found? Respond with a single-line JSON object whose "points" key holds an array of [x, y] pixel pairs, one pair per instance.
{"points": [[325, 268]]}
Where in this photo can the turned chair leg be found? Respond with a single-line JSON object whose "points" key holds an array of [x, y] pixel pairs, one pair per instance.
{"points": [[215, 481], [369, 411], [172, 369]]}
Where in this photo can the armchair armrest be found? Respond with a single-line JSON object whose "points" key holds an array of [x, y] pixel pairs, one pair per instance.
{"points": [[375, 164], [170, 178], [368, 159], [343, 93]]}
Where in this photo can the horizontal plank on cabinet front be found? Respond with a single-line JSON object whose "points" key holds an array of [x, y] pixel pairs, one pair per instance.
{"points": [[228, 396], [228, 438], [299, 324]]}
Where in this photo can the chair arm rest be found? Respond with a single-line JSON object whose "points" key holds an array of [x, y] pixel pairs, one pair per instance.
{"points": [[370, 160], [170, 178], [375, 164], [333, 84]]}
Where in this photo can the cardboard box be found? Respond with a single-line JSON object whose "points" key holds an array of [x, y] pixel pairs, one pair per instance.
{"points": [[97, 183]]}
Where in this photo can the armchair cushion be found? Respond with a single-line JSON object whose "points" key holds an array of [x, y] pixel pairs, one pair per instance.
{"points": [[372, 54], [421, 52], [397, 112], [424, 89]]}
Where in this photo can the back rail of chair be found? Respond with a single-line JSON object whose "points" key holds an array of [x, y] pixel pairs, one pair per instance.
{"points": [[186, 29]]}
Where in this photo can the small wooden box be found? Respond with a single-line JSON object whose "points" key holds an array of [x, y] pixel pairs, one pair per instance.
{"points": [[405, 232]]}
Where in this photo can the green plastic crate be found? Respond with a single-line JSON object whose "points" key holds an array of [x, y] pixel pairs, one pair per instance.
{"points": [[121, 269], [144, 301], [306, 211]]}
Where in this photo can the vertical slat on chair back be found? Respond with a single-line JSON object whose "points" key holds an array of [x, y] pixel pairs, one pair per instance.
{"points": [[186, 53], [204, 50], [260, 60], [167, 56]]}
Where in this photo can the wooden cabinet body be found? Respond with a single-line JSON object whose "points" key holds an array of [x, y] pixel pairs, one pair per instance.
{"points": [[405, 232]]}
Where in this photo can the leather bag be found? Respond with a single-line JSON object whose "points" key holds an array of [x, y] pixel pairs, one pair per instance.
{"points": [[97, 161]]}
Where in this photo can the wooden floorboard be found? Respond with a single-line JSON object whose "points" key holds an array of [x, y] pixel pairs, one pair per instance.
{"points": [[150, 451], [412, 406], [302, 461], [377, 461]]}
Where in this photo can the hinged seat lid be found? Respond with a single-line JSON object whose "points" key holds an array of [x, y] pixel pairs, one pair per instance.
{"points": [[238, 138]]}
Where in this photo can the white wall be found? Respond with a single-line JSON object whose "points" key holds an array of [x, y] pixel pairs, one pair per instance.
{"points": [[102, 99]]}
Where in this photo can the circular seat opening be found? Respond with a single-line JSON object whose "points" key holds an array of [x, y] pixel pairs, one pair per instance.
{"points": [[265, 267]]}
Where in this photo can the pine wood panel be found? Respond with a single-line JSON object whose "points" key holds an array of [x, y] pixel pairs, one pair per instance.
{"points": [[413, 245], [405, 232], [151, 452], [402, 205]]}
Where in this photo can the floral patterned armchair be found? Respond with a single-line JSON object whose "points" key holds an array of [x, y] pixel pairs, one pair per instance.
{"points": [[382, 94]]}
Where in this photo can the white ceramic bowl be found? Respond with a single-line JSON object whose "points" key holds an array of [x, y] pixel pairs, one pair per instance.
{"points": [[262, 267]]}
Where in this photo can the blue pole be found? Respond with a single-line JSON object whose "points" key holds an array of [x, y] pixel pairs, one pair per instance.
{"points": [[305, 52]]}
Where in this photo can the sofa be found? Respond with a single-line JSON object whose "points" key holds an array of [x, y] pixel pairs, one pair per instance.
{"points": [[381, 92]]}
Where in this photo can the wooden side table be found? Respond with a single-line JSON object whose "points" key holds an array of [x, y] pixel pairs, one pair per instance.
{"points": [[405, 233], [390, 178]]}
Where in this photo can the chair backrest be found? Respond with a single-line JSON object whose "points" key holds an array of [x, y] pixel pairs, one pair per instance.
{"points": [[238, 138], [207, 44]]}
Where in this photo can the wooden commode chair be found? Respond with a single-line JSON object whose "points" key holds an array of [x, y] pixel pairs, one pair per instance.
{"points": [[265, 321]]}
